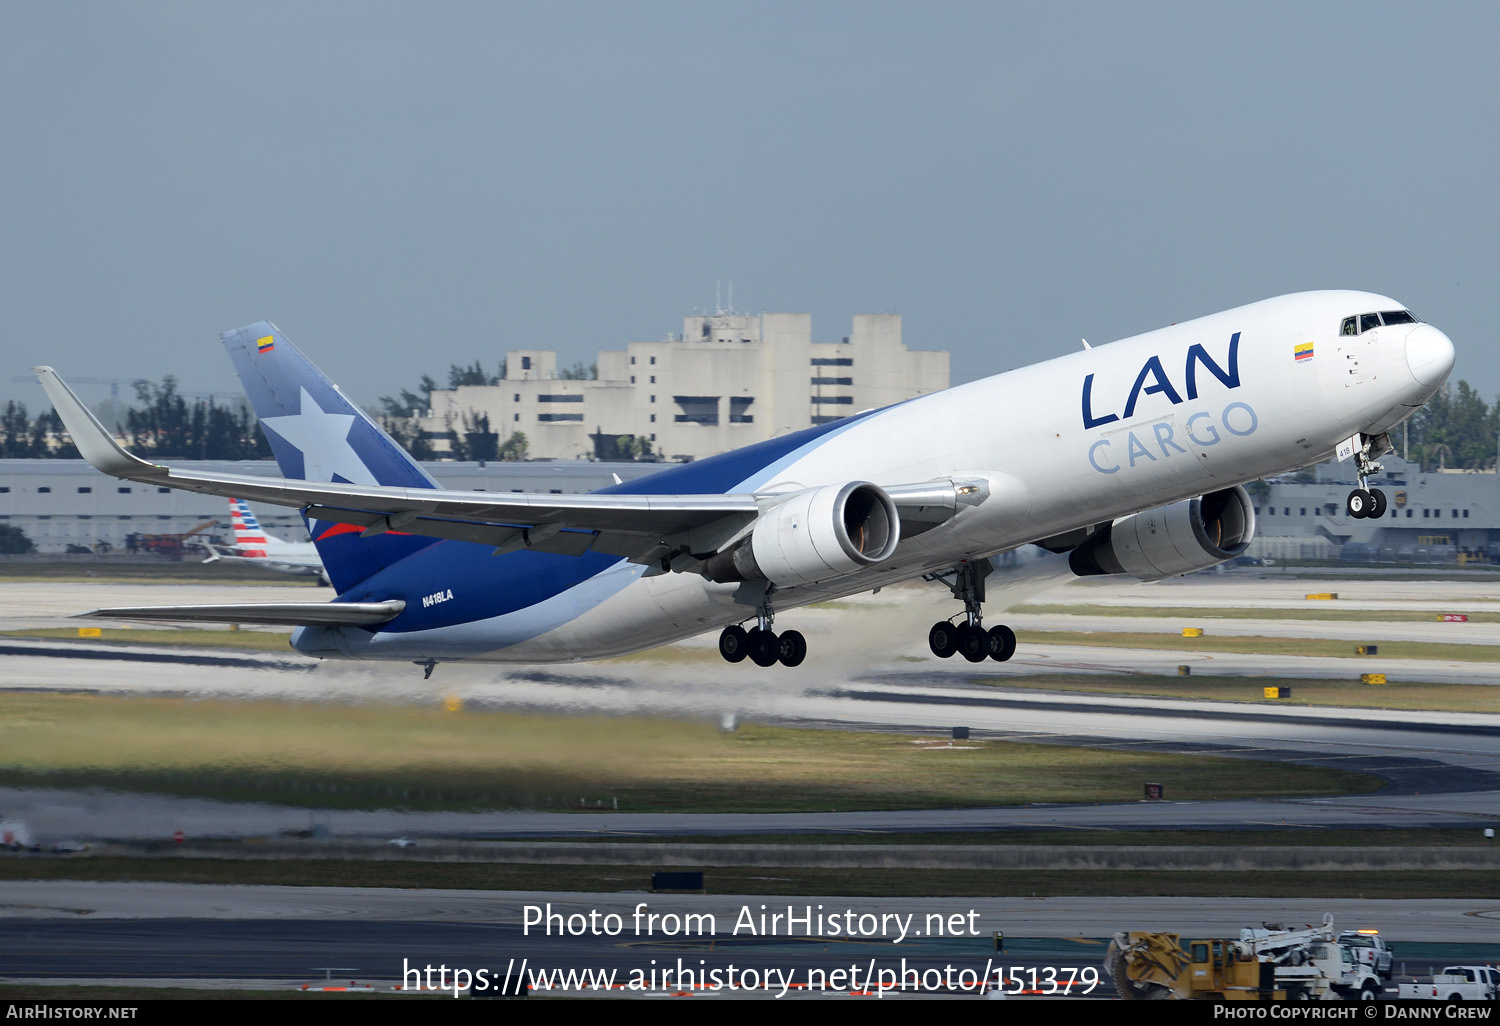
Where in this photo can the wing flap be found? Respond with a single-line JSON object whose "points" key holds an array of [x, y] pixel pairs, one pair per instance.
{"points": [[274, 614]]}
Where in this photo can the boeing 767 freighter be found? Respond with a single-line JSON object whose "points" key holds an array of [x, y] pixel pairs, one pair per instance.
{"points": [[1124, 459]]}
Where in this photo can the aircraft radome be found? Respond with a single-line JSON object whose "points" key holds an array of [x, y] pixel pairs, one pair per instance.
{"points": [[1121, 459]]}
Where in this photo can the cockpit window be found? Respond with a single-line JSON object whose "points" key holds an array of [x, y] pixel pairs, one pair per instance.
{"points": [[1365, 322]]}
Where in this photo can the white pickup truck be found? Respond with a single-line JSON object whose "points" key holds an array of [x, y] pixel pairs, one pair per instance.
{"points": [[1371, 949], [1456, 983]]}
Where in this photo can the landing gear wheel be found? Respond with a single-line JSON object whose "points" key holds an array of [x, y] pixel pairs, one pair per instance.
{"points": [[1378, 504], [973, 643], [765, 647], [1359, 503], [793, 648], [943, 639], [1002, 643], [734, 644]]}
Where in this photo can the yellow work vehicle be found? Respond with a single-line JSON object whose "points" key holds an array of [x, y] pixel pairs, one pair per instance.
{"points": [[1270, 963]]}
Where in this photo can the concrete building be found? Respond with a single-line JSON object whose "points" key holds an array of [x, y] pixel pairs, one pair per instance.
{"points": [[1445, 516], [727, 381], [59, 503]]}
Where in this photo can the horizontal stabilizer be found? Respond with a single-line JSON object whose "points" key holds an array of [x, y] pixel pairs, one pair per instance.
{"points": [[276, 614]]}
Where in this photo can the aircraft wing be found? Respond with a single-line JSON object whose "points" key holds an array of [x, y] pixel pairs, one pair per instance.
{"points": [[646, 529], [279, 614]]}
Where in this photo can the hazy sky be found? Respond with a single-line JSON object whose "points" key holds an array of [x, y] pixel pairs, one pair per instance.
{"points": [[401, 186]]}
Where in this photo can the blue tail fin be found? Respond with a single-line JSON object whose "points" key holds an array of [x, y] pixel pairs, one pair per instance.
{"points": [[318, 435]]}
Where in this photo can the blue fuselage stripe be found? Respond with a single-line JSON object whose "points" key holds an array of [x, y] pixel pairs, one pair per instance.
{"points": [[483, 586]]}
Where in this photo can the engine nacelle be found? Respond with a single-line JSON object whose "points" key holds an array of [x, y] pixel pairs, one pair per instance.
{"points": [[1193, 534], [814, 535]]}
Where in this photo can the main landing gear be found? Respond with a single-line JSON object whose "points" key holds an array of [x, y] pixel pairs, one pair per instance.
{"points": [[969, 638], [1366, 503], [763, 645]]}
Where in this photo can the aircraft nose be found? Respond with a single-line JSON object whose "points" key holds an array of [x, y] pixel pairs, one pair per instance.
{"points": [[1429, 354]]}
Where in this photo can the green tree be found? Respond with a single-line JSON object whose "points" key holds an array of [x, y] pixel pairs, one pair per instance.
{"points": [[475, 375], [164, 425], [410, 404], [479, 442], [405, 432], [17, 441], [514, 448], [159, 424], [621, 447], [13, 541], [1455, 429], [48, 427]]}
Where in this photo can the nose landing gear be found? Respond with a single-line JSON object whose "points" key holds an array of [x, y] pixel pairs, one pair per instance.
{"points": [[1365, 502], [969, 638]]}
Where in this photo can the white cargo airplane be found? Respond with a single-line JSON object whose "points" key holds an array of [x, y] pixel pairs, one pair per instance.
{"points": [[1127, 459], [256, 547]]}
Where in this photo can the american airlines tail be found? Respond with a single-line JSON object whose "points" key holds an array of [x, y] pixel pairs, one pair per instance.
{"points": [[249, 539], [319, 435]]}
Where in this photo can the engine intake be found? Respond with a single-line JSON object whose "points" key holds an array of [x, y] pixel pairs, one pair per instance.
{"points": [[814, 535], [1190, 535]]}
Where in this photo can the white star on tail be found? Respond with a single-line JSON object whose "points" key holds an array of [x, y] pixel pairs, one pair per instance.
{"points": [[323, 440]]}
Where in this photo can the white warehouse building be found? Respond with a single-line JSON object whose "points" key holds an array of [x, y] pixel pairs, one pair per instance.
{"points": [[727, 381]]}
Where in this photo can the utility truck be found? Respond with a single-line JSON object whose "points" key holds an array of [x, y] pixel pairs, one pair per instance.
{"points": [[1456, 983], [1267, 963]]}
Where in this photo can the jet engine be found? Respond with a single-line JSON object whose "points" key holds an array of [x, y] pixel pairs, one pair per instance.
{"points": [[1193, 534], [814, 535]]}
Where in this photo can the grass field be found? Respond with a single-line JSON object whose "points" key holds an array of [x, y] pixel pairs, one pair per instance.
{"points": [[1306, 691], [271, 639], [388, 756]]}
